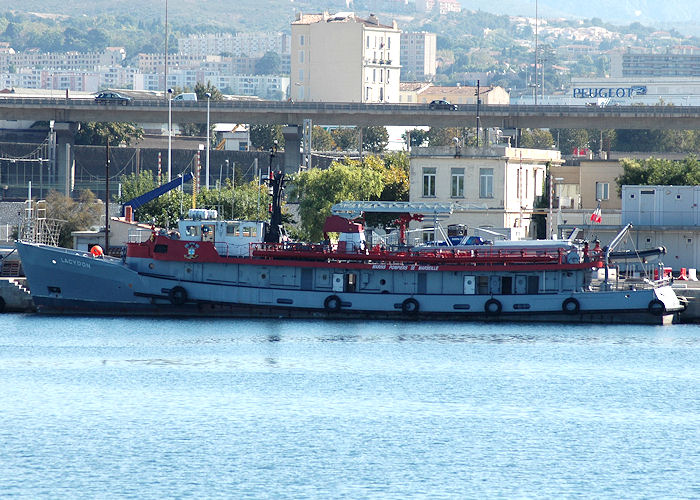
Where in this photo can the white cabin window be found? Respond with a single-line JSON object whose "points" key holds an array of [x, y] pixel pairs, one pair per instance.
{"points": [[192, 230], [232, 229]]}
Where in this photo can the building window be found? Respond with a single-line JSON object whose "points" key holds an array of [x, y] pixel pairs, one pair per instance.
{"points": [[301, 40], [300, 94], [485, 183], [301, 56], [429, 182], [457, 190], [602, 190], [301, 75], [368, 41]]}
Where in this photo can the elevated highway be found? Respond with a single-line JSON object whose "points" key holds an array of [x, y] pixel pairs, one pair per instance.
{"points": [[281, 112]]}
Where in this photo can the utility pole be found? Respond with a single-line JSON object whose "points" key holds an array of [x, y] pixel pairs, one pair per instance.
{"points": [[536, 49], [478, 107]]}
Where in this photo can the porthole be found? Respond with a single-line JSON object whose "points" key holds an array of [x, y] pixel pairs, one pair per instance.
{"points": [[151, 266], [263, 276], [382, 282]]}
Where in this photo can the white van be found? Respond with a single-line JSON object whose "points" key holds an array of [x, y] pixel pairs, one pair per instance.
{"points": [[187, 96]]}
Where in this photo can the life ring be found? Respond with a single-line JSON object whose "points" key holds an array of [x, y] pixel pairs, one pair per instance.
{"points": [[332, 303], [492, 306], [177, 295], [571, 306], [656, 307], [410, 306]]}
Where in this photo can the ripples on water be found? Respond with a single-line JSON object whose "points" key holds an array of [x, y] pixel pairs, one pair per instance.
{"points": [[153, 408]]}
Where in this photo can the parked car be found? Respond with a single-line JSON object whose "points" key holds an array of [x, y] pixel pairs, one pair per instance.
{"points": [[442, 104], [110, 97]]}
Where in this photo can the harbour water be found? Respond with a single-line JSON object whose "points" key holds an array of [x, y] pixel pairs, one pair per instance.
{"points": [[158, 408]]}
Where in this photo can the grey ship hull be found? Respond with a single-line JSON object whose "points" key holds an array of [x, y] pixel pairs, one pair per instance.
{"points": [[71, 282]]}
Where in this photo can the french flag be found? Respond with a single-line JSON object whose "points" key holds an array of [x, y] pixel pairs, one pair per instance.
{"points": [[597, 215]]}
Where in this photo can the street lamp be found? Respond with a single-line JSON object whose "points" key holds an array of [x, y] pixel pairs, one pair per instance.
{"points": [[170, 134], [208, 94]]}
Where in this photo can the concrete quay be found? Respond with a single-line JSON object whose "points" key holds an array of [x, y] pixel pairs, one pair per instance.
{"points": [[14, 295]]}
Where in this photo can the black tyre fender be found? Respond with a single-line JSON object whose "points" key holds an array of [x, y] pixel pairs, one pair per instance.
{"points": [[493, 306], [332, 303], [656, 307], [571, 306], [177, 295], [410, 306], [2, 305]]}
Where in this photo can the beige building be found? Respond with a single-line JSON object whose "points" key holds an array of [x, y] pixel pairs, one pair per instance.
{"points": [[493, 188], [416, 92], [418, 56], [343, 58]]}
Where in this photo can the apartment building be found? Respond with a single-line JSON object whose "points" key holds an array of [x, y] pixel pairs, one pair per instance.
{"points": [[70, 61], [418, 56], [264, 86], [78, 81], [493, 188], [680, 61], [442, 6], [344, 58], [241, 44], [242, 65]]}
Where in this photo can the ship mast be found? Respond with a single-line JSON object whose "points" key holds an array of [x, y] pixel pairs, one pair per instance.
{"points": [[275, 180]]}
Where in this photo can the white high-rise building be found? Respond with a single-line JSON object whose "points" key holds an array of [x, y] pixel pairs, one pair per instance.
{"points": [[418, 56], [343, 58], [240, 44]]}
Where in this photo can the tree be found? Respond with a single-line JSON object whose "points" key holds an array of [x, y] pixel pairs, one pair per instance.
{"points": [[418, 137], [78, 215], [445, 136], [346, 138], [568, 139], [321, 139], [657, 140], [375, 139], [269, 64], [247, 201], [97, 133], [655, 171], [317, 190], [263, 136], [536, 139]]}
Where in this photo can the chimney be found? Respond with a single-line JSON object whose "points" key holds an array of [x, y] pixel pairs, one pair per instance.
{"points": [[373, 19]]}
